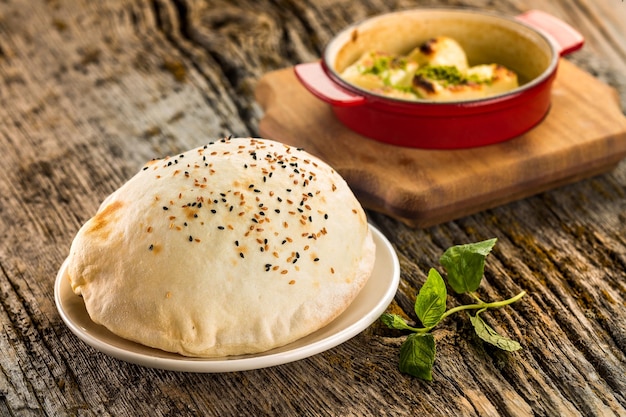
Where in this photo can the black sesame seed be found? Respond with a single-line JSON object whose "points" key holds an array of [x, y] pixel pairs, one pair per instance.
{"points": [[316, 259], [236, 243], [326, 216], [150, 247], [220, 227], [241, 254], [190, 238], [165, 208], [277, 211], [213, 211]]}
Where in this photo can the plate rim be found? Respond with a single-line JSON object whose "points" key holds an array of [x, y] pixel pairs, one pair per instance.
{"points": [[244, 362]]}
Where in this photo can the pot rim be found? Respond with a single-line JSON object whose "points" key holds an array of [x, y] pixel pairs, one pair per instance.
{"points": [[374, 98]]}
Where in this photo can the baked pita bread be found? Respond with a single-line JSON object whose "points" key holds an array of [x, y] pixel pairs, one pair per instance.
{"points": [[236, 247]]}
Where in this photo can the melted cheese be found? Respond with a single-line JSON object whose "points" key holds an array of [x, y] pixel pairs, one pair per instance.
{"points": [[437, 70]]}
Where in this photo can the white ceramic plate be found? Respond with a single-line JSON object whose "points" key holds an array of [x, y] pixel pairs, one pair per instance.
{"points": [[364, 310]]}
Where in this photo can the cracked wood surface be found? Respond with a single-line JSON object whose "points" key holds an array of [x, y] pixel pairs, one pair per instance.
{"points": [[89, 91]]}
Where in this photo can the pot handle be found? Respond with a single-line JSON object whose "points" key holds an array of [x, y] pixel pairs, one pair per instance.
{"points": [[566, 37], [315, 79]]}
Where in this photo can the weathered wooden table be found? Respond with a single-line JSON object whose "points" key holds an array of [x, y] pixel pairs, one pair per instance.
{"points": [[91, 90]]}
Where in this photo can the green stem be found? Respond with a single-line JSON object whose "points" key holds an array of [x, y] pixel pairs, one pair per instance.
{"points": [[481, 305], [475, 297]]}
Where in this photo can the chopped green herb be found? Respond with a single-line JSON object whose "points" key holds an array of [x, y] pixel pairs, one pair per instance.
{"points": [[449, 75]]}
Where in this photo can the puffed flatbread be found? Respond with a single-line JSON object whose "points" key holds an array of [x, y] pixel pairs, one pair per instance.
{"points": [[236, 247]]}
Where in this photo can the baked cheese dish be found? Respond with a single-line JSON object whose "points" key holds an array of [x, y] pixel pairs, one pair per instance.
{"points": [[437, 70]]}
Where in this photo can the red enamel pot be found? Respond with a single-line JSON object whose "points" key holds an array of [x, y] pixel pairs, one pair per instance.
{"points": [[530, 44]]}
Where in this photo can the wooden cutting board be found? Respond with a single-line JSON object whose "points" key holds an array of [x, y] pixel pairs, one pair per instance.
{"points": [[584, 134]]}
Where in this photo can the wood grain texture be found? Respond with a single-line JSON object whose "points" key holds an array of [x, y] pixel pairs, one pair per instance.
{"points": [[91, 90]]}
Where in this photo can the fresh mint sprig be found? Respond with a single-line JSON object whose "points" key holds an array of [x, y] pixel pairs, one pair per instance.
{"points": [[465, 267]]}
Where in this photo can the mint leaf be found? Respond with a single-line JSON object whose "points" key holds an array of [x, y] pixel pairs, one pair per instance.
{"points": [[489, 335], [417, 356], [393, 321], [430, 303], [465, 265]]}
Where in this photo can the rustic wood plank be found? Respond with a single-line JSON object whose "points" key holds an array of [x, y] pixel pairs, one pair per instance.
{"points": [[91, 90]]}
